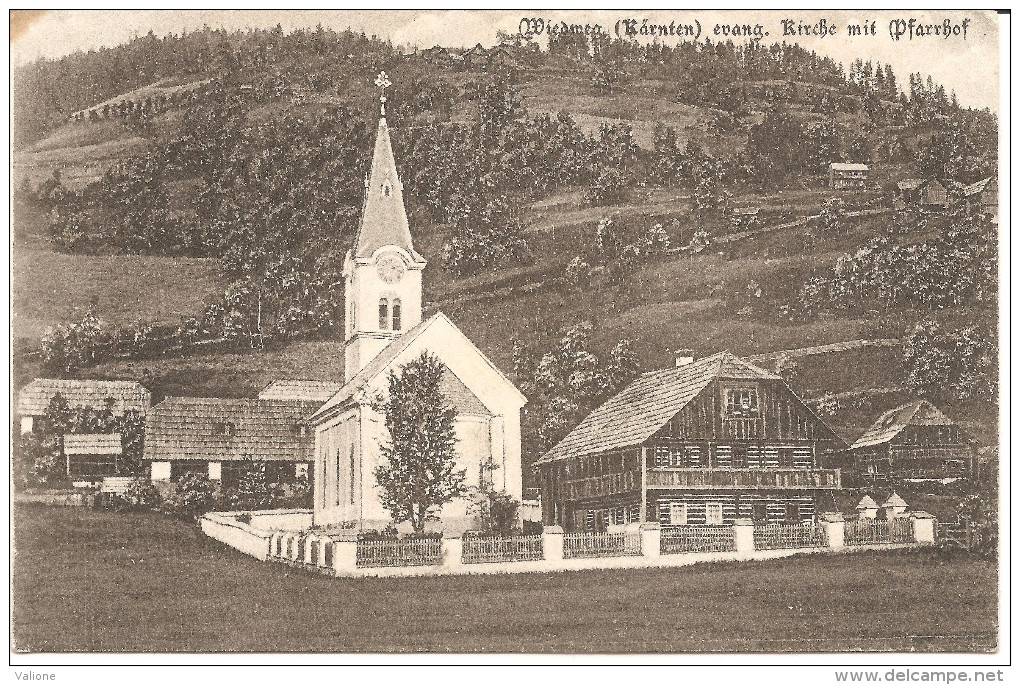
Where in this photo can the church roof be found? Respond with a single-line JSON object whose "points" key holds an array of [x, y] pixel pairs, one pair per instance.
{"points": [[648, 403], [892, 423], [383, 219], [453, 387]]}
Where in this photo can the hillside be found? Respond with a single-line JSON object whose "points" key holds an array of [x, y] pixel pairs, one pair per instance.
{"points": [[120, 208]]}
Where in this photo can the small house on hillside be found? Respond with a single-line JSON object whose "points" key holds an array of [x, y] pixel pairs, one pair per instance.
{"points": [[437, 54], [848, 176], [915, 441], [704, 443], [214, 437], [120, 396], [974, 196], [476, 58]]}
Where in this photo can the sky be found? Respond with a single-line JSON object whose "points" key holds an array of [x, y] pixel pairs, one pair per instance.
{"points": [[969, 66]]}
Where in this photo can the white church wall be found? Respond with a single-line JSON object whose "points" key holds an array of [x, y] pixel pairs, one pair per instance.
{"points": [[334, 442]]}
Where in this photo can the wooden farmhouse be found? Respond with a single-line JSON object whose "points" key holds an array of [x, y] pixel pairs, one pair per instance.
{"points": [[119, 396], [706, 442], [914, 441], [848, 176], [215, 437]]}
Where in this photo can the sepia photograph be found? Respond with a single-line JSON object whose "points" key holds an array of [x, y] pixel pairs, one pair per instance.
{"points": [[509, 332]]}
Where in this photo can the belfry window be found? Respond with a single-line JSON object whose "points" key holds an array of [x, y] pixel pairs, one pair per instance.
{"points": [[396, 315], [386, 189], [384, 314]]}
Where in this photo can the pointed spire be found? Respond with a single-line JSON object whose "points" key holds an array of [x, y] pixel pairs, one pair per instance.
{"points": [[384, 219]]}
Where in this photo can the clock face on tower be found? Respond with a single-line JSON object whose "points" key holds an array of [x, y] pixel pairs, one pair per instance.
{"points": [[390, 267]]}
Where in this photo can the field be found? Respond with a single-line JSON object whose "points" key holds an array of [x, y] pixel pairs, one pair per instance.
{"points": [[95, 581], [51, 288]]}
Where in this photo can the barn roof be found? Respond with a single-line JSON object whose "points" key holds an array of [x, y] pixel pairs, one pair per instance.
{"points": [[92, 443], [975, 188], [298, 389], [126, 395], [891, 423], [843, 166], [218, 429], [648, 403]]}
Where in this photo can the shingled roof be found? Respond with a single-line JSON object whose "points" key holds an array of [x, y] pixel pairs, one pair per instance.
{"points": [[126, 395], [891, 423], [305, 390], [647, 404], [229, 429], [92, 443]]}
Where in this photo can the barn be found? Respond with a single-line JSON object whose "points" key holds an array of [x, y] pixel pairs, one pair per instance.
{"points": [[215, 437], [119, 396], [915, 441]]}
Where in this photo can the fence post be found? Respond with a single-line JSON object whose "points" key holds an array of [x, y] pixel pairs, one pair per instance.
{"points": [[552, 543], [345, 553], [743, 535], [651, 539], [453, 551], [835, 528], [923, 525]]}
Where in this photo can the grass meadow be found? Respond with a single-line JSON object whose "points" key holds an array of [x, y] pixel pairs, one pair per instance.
{"points": [[86, 580]]}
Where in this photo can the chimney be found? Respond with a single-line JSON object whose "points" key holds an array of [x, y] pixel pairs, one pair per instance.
{"points": [[684, 357]]}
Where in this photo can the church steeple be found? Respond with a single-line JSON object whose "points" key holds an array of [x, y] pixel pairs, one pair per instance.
{"points": [[384, 219], [383, 272]]}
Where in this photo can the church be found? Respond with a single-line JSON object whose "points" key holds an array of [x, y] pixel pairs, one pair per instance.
{"points": [[384, 330]]}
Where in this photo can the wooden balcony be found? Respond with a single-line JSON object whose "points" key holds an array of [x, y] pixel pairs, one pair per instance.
{"points": [[601, 486], [743, 479]]}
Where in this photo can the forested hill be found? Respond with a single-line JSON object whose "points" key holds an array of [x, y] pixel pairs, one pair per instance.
{"points": [[621, 179]]}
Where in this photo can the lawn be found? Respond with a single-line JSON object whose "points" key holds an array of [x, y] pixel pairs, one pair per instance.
{"points": [[96, 581]]}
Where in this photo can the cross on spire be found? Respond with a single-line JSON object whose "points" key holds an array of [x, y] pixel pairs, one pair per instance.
{"points": [[383, 82]]}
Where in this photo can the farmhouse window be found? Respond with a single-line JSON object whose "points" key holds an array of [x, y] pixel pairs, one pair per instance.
{"points": [[384, 314], [224, 428], [713, 514], [792, 512], [677, 514], [741, 402], [759, 511], [395, 315], [739, 456]]}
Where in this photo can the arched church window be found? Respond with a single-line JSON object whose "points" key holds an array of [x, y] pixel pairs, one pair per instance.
{"points": [[396, 315], [384, 314], [386, 189]]}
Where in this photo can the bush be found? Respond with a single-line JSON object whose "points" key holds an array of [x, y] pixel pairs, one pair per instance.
{"points": [[254, 491], [190, 497], [141, 494]]}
